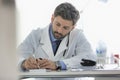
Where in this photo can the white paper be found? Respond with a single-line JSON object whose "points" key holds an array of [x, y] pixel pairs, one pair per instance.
{"points": [[37, 70]]}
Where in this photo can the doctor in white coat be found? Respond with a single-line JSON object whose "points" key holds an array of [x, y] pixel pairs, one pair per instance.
{"points": [[38, 50]]}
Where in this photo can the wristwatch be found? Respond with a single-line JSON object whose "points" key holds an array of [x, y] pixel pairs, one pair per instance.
{"points": [[58, 65]]}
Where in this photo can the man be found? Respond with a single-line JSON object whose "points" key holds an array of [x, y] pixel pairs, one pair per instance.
{"points": [[59, 45]]}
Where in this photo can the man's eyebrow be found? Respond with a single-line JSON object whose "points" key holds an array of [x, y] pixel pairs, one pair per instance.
{"points": [[63, 26], [67, 27]]}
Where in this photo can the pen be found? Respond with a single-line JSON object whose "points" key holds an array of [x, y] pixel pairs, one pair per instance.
{"points": [[35, 57], [40, 58], [36, 61]]}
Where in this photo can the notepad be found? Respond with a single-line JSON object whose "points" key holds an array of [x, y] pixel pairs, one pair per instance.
{"points": [[37, 70], [74, 70]]}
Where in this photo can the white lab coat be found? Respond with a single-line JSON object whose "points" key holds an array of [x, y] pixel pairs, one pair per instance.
{"points": [[38, 44]]}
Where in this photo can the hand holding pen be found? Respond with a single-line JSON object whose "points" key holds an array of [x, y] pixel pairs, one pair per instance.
{"points": [[31, 63], [39, 63]]}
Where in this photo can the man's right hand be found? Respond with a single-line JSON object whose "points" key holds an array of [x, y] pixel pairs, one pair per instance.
{"points": [[30, 63]]}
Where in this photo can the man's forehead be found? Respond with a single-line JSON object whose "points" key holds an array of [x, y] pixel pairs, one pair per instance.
{"points": [[64, 22]]}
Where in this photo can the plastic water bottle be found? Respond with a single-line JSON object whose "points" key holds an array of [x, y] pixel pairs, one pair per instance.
{"points": [[101, 51]]}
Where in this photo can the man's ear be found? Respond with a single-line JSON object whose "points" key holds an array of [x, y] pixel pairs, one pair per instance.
{"points": [[73, 26], [52, 18]]}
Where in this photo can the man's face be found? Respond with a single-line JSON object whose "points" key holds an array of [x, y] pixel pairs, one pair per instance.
{"points": [[61, 27]]}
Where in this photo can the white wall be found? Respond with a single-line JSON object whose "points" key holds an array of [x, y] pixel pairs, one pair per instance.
{"points": [[37, 13], [99, 20]]}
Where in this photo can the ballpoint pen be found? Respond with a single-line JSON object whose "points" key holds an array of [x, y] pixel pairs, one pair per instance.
{"points": [[37, 60]]}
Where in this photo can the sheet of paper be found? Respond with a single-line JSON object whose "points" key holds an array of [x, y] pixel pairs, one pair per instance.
{"points": [[37, 70]]}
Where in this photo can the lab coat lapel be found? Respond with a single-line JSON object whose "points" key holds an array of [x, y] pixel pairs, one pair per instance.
{"points": [[45, 40], [62, 47]]}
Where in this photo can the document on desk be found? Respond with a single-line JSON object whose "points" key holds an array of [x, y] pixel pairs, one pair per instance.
{"points": [[109, 67], [105, 67], [82, 69], [38, 70]]}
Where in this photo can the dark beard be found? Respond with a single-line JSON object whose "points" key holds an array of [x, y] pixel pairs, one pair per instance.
{"points": [[59, 34]]}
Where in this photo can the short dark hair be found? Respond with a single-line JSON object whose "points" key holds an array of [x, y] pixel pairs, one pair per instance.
{"points": [[67, 11]]}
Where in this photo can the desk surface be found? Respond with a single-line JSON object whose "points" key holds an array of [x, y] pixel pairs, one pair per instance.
{"points": [[108, 71], [84, 73]]}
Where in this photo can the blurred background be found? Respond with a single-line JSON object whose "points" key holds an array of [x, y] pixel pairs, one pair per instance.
{"points": [[8, 69], [99, 20]]}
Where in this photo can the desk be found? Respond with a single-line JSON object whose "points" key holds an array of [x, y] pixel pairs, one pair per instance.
{"points": [[84, 73]]}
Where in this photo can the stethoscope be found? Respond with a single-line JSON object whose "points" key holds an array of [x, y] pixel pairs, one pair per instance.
{"points": [[66, 45]]}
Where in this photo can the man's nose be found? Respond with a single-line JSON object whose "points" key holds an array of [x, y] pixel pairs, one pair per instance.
{"points": [[60, 30]]}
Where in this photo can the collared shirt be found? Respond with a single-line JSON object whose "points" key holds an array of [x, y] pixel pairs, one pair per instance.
{"points": [[53, 39]]}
